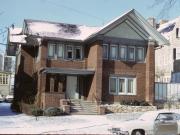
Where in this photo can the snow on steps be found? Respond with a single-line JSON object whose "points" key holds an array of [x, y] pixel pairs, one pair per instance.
{"points": [[83, 107]]}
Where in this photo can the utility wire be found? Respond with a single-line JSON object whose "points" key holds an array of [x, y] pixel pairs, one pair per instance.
{"points": [[76, 10]]}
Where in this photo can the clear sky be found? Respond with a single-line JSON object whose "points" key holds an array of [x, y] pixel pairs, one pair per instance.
{"points": [[89, 12]]}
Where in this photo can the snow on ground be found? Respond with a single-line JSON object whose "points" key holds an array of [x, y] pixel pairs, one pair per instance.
{"points": [[13, 123]]}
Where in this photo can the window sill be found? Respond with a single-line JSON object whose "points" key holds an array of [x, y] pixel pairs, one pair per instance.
{"points": [[122, 94]]}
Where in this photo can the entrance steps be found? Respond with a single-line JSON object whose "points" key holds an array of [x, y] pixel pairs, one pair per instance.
{"points": [[83, 107]]}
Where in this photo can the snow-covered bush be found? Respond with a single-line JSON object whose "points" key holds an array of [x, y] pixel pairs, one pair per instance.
{"points": [[53, 111]]}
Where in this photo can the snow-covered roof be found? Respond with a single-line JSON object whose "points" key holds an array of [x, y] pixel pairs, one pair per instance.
{"points": [[59, 30], [16, 36], [166, 28]]}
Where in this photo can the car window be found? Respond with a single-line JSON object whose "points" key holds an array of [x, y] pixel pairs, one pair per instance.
{"points": [[167, 116]]}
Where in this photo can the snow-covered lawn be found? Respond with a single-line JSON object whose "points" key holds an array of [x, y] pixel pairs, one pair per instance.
{"points": [[12, 123]]}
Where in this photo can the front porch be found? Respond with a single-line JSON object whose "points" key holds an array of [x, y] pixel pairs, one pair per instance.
{"points": [[66, 84]]}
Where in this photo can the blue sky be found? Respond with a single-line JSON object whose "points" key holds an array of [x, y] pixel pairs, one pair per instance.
{"points": [[89, 12]]}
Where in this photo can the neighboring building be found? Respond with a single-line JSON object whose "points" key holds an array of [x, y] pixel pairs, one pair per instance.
{"points": [[5, 87], [112, 63], [168, 57]]}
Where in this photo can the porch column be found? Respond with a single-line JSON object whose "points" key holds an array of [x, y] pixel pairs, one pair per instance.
{"points": [[52, 84], [150, 72]]}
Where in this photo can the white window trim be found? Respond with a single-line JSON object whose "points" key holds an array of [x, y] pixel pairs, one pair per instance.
{"points": [[67, 52], [123, 46], [54, 45], [121, 93], [134, 53], [143, 54], [107, 54], [77, 47], [114, 45], [126, 86], [113, 93], [57, 45], [134, 86]]}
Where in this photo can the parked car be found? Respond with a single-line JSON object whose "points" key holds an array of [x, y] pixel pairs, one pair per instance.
{"points": [[153, 122], [1, 98], [9, 98]]}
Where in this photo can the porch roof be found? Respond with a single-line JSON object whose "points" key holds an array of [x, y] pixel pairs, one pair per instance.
{"points": [[68, 71]]}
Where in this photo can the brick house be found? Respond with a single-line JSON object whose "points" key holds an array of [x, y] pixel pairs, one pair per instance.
{"points": [[105, 64]]}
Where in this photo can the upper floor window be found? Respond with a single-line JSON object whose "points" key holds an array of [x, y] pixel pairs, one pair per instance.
{"points": [[64, 51], [140, 54], [105, 51], [131, 53], [77, 52], [60, 50], [122, 52], [113, 52], [51, 50], [69, 51]]}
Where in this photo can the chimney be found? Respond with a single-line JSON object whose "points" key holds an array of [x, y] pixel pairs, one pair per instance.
{"points": [[152, 21]]}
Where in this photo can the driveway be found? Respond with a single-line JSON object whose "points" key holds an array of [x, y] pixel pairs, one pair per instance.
{"points": [[13, 123]]}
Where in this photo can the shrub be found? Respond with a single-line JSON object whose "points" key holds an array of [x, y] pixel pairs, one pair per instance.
{"points": [[53, 111], [37, 112], [135, 103]]}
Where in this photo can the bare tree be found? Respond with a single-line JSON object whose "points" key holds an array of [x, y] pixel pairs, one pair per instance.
{"points": [[167, 5]]}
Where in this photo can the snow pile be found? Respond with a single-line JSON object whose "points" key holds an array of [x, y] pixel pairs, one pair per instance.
{"points": [[60, 30]]}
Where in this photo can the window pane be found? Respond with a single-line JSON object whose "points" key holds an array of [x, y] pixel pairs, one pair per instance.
{"points": [[122, 53], [51, 50], [105, 51], [78, 53], [69, 52], [60, 50], [130, 86], [121, 85], [112, 85], [140, 54], [113, 52], [131, 53]]}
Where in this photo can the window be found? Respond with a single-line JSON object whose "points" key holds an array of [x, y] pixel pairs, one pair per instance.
{"points": [[122, 52], [4, 79], [60, 49], [113, 85], [69, 52], [51, 50], [177, 32], [105, 51], [77, 52], [113, 52], [131, 53], [140, 54], [122, 86]]}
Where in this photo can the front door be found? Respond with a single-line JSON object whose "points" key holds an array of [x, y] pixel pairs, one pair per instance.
{"points": [[71, 87]]}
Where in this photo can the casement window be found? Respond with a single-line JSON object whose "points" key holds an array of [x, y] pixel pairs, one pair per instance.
{"points": [[51, 50], [77, 52], [60, 50], [113, 52], [131, 53], [122, 52], [113, 85], [122, 85], [69, 52], [140, 54], [105, 51]]}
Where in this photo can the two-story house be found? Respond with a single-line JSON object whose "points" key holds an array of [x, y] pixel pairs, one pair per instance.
{"points": [[109, 64]]}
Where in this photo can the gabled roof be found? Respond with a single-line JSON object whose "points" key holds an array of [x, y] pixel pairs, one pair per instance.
{"points": [[81, 33]]}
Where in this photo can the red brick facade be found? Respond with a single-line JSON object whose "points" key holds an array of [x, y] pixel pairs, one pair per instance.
{"points": [[91, 87]]}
